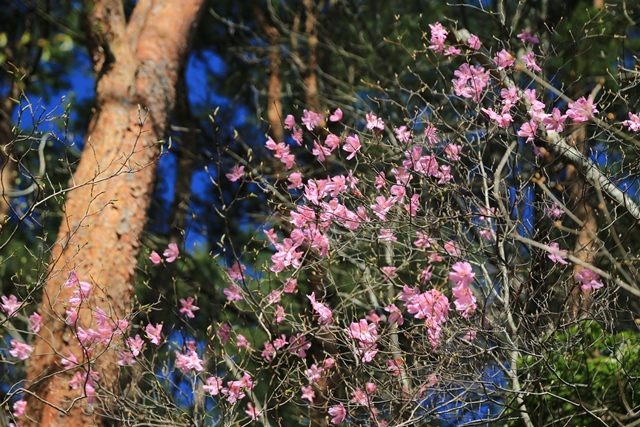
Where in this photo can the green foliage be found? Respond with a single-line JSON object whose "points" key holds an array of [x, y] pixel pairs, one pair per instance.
{"points": [[592, 370]]}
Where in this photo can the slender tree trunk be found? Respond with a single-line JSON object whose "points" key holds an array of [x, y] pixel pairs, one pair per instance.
{"points": [[274, 86], [585, 247], [311, 79], [7, 165], [137, 67]]}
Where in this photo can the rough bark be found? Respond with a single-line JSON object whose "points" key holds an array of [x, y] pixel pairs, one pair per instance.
{"points": [[137, 69], [585, 246], [311, 79], [274, 86], [7, 165]]}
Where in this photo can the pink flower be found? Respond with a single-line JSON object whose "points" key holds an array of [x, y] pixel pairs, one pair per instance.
{"points": [[554, 211], [374, 122], [35, 322], [295, 180], [236, 271], [470, 81], [582, 110], [336, 116], [289, 122], [366, 335], [451, 248], [189, 361], [395, 366], [314, 373], [438, 37], [387, 235], [452, 151], [171, 253], [474, 42], [125, 358], [236, 173], [19, 408], [311, 119], [20, 350], [325, 315], [308, 393], [403, 134], [452, 51], [154, 333], [299, 345], [338, 414], [556, 255], [243, 342], [188, 308], [290, 286], [389, 272], [589, 279], [10, 305], [233, 292], [633, 123], [332, 141], [528, 37], [269, 352], [155, 258], [280, 314], [135, 345], [528, 130], [432, 306], [252, 412], [395, 315], [504, 60], [352, 145], [554, 121], [462, 273], [502, 120], [223, 333], [213, 386], [530, 62], [464, 300]]}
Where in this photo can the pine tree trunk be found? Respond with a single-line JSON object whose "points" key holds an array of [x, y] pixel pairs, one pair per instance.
{"points": [[137, 66]]}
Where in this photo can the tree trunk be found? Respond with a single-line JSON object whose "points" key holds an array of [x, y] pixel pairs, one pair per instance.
{"points": [[311, 79], [137, 67], [274, 86], [585, 247]]}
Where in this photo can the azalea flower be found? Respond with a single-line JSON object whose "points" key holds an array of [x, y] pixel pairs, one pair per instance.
{"points": [[20, 350], [135, 345], [528, 130], [154, 333], [35, 322], [188, 308], [338, 414], [589, 279], [374, 122], [504, 60], [311, 119], [236, 173], [556, 255], [19, 408], [582, 110], [171, 253], [474, 42], [336, 116], [530, 62], [438, 37], [633, 123], [10, 305], [352, 145], [155, 257], [308, 393], [325, 315]]}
